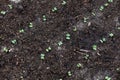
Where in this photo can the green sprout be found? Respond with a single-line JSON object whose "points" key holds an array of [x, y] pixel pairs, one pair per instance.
{"points": [[10, 6], [48, 49], [5, 49], [67, 36], [93, 14], [102, 40], [118, 28], [60, 43], [42, 56], [64, 2], [111, 34], [75, 29], [30, 25], [3, 12], [54, 9], [110, 1], [79, 65], [44, 18], [21, 31], [118, 69], [86, 56], [94, 47], [14, 41], [106, 4], [107, 78], [69, 73], [85, 19], [101, 8]]}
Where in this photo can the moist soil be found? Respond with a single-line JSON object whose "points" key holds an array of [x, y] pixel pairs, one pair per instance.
{"points": [[22, 60]]}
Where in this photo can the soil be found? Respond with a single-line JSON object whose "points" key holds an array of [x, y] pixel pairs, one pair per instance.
{"points": [[22, 60]]}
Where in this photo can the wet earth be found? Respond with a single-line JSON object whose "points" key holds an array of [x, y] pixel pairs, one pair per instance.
{"points": [[59, 39]]}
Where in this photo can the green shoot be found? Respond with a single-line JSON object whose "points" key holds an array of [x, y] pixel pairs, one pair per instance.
{"points": [[85, 19], [101, 8], [5, 49], [107, 78], [67, 36], [111, 34], [106, 4], [60, 43], [21, 31], [14, 41], [3, 12], [64, 2], [44, 18], [69, 73], [10, 6], [94, 47], [86, 56], [110, 1], [79, 65], [102, 40], [48, 49], [30, 25], [42, 56], [54, 9]]}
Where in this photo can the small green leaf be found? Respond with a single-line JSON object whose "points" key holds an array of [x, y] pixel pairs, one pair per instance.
{"points": [[54, 9], [60, 43], [21, 31], [111, 34], [30, 25], [64, 2], [101, 8], [110, 1], [14, 41], [69, 73], [94, 47], [42, 56], [3, 12]]}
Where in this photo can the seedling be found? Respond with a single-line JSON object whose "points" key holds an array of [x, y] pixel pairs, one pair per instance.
{"points": [[21, 31], [79, 65], [60, 43], [86, 56], [106, 4], [5, 49], [30, 25], [42, 56], [54, 9], [67, 36], [110, 1], [118, 28], [101, 8], [14, 41], [111, 34], [48, 49], [102, 40], [3, 12], [64, 2], [75, 29], [69, 73], [10, 6], [107, 78], [93, 14], [85, 19], [94, 47], [118, 69], [44, 18]]}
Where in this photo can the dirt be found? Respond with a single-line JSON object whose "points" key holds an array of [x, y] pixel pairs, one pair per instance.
{"points": [[83, 20]]}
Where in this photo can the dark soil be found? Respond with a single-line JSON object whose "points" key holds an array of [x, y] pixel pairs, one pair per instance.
{"points": [[23, 60]]}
